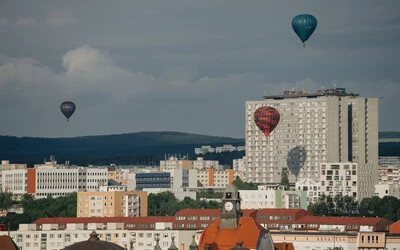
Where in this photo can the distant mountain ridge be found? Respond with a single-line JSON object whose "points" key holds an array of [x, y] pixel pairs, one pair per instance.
{"points": [[129, 148]]}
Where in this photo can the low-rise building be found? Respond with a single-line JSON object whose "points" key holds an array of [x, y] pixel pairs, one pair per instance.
{"points": [[389, 174], [202, 164], [382, 190], [273, 198], [238, 164], [217, 178], [111, 204], [204, 150], [225, 148], [312, 188], [175, 163]]}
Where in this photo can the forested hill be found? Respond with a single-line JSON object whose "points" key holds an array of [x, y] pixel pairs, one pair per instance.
{"points": [[132, 148]]}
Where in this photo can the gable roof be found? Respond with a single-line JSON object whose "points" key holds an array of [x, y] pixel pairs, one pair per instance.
{"points": [[7, 243]]}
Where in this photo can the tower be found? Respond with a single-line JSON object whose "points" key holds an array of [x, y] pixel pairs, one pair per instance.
{"points": [[231, 213]]}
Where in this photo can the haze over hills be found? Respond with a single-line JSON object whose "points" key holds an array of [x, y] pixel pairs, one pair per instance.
{"points": [[130, 148]]}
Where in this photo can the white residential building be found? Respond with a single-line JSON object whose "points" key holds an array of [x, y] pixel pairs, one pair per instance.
{"points": [[14, 181], [327, 126], [51, 236], [204, 150], [313, 189], [341, 179], [202, 164], [61, 180], [238, 164], [225, 148], [175, 163], [272, 198], [382, 190]]}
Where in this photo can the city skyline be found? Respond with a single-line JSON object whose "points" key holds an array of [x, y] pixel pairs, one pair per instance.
{"points": [[184, 65]]}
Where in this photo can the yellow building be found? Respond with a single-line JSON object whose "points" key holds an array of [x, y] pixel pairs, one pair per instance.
{"points": [[112, 204]]}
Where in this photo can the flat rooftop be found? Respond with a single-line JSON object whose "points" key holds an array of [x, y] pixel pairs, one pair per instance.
{"points": [[306, 94]]}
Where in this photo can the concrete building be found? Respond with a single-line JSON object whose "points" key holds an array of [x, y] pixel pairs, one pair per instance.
{"points": [[382, 190], [60, 180], [111, 204], [129, 233], [150, 180], [272, 198], [6, 165], [313, 189], [204, 150], [183, 178], [328, 126], [225, 148], [389, 174], [202, 164], [14, 181], [174, 163], [217, 178], [238, 164], [385, 161], [341, 179]]}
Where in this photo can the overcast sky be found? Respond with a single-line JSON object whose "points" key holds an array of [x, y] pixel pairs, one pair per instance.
{"points": [[183, 65]]}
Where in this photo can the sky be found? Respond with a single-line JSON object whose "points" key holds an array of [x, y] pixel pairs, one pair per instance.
{"points": [[185, 65]]}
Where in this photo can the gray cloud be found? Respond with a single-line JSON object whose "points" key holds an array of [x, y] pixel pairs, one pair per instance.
{"points": [[186, 65], [25, 22], [61, 18]]}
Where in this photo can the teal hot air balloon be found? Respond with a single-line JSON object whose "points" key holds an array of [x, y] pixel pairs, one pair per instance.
{"points": [[304, 25]]}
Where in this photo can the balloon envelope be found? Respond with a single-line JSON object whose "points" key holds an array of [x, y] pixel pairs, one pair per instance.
{"points": [[67, 108], [304, 25], [266, 119]]}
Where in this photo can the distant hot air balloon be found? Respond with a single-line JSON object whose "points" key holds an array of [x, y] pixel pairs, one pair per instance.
{"points": [[304, 25], [67, 108], [266, 119]]}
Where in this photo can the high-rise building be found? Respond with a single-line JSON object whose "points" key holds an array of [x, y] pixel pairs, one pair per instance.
{"points": [[327, 126]]}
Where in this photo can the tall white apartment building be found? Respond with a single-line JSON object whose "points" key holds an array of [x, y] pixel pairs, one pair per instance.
{"points": [[201, 164], [328, 126]]}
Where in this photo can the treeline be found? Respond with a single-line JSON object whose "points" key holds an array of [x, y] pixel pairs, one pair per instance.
{"points": [[387, 207], [225, 158], [166, 204], [34, 209]]}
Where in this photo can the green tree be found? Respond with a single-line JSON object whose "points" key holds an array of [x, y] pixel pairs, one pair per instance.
{"points": [[166, 204], [241, 185], [285, 178], [6, 200]]}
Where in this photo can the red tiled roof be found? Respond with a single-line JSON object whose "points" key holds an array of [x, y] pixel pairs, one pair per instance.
{"points": [[327, 220], [283, 211], [248, 232], [70, 220], [7, 243], [198, 212], [395, 228]]}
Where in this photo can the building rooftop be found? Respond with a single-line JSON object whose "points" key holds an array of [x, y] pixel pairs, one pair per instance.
{"points": [[306, 94]]}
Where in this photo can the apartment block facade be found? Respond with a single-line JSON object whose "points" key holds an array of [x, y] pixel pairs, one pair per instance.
{"points": [[111, 204], [327, 126]]}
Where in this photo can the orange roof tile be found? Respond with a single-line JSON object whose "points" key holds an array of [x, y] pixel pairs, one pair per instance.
{"points": [[395, 228], [248, 232]]}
